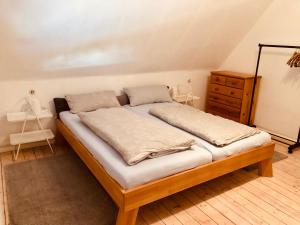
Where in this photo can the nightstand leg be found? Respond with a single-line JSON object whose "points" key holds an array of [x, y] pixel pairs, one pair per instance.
{"points": [[17, 152], [41, 127], [23, 127], [50, 145], [19, 146]]}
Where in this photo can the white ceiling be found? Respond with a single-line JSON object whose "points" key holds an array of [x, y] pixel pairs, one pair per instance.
{"points": [[58, 38]]}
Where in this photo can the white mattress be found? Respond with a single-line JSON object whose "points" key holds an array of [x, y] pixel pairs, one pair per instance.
{"points": [[217, 152], [145, 171]]}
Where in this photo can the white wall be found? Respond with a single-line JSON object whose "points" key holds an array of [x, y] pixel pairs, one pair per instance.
{"points": [[45, 39], [278, 107], [13, 92]]}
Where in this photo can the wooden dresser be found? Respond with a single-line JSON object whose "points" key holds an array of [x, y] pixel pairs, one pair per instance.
{"points": [[229, 95]]}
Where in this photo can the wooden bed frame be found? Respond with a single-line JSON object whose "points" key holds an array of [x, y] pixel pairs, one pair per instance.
{"points": [[129, 201]]}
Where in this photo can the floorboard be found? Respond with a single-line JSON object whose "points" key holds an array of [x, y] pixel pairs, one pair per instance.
{"points": [[241, 197]]}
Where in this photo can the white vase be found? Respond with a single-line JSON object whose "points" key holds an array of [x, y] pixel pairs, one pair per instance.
{"points": [[35, 104]]}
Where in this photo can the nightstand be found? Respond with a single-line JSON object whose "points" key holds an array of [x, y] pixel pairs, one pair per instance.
{"points": [[25, 137]]}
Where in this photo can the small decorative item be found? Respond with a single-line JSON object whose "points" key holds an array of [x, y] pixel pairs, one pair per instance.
{"points": [[34, 103]]}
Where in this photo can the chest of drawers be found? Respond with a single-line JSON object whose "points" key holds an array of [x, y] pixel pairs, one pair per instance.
{"points": [[229, 95]]}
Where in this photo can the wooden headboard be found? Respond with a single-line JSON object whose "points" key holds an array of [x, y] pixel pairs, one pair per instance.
{"points": [[123, 99]]}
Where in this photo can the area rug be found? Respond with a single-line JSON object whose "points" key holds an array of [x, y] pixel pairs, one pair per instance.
{"points": [[57, 190], [277, 156]]}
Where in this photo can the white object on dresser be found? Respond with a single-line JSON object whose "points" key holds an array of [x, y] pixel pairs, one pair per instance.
{"points": [[29, 136]]}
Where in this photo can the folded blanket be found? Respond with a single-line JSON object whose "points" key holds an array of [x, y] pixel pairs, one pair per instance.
{"points": [[133, 136], [214, 129]]}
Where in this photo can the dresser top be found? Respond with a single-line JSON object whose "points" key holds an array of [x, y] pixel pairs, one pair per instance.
{"points": [[233, 74]]}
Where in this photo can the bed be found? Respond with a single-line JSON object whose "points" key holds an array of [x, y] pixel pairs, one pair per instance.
{"points": [[141, 173], [131, 192]]}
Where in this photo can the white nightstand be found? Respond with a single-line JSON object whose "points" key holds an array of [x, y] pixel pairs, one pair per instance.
{"points": [[29, 136]]}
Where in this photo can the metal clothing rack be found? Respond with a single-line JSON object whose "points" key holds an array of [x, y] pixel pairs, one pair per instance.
{"points": [[297, 144]]}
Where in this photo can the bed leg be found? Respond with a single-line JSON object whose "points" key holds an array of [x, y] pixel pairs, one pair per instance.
{"points": [[127, 217], [265, 168]]}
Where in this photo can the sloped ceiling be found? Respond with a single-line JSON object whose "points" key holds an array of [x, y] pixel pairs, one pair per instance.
{"points": [[88, 37]]}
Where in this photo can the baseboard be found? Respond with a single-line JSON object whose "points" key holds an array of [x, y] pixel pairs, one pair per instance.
{"points": [[279, 137], [10, 148]]}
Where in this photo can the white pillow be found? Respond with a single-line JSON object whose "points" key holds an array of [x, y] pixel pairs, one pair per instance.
{"points": [[148, 94], [92, 101]]}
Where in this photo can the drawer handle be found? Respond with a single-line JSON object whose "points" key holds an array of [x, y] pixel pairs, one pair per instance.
{"points": [[233, 83], [216, 89], [217, 79], [232, 92]]}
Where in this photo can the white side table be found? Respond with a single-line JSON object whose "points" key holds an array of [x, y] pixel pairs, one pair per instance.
{"points": [[29, 136]]}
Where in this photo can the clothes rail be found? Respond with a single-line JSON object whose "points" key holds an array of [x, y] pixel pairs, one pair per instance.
{"points": [[261, 46]]}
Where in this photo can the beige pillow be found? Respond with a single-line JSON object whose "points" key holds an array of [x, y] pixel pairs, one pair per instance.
{"points": [[92, 101], [148, 94]]}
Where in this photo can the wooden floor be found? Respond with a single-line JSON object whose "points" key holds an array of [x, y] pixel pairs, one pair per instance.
{"points": [[238, 198]]}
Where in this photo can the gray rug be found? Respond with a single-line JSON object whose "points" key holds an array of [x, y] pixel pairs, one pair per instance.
{"points": [[277, 156], [57, 190]]}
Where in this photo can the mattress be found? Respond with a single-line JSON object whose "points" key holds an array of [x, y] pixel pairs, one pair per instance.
{"points": [[141, 173], [217, 152]]}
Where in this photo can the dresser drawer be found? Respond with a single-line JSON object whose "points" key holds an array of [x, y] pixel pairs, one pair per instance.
{"points": [[234, 102], [215, 88], [215, 79], [232, 92], [223, 109], [235, 82]]}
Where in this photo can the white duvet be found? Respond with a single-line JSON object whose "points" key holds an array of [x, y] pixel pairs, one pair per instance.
{"points": [[135, 137], [214, 129]]}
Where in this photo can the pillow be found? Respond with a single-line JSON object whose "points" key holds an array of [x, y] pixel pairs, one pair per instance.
{"points": [[92, 101], [148, 94]]}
